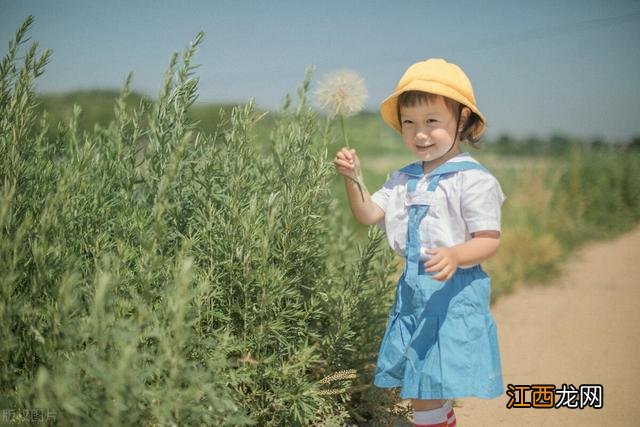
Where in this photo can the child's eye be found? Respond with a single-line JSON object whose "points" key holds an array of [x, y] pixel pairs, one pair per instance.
{"points": [[407, 121]]}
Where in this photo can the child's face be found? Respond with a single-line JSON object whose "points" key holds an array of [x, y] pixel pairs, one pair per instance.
{"points": [[428, 130]]}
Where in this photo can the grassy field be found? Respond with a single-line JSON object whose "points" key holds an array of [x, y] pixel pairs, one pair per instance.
{"points": [[529, 174]]}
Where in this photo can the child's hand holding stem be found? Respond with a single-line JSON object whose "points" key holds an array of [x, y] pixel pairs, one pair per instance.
{"points": [[366, 211], [347, 164]]}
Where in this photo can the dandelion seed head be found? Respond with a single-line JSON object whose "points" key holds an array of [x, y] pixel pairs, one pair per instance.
{"points": [[341, 93]]}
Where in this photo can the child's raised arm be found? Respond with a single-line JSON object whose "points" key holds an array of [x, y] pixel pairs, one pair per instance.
{"points": [[365, 212]]}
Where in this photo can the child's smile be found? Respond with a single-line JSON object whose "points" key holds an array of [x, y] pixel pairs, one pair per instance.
{"points": [[423, 148]]}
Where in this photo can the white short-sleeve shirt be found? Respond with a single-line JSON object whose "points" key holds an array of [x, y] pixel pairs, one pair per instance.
{"points": [[463, 203]]}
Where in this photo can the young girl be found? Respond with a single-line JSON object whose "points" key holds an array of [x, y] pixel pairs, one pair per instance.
{"points": [[442, 214]]}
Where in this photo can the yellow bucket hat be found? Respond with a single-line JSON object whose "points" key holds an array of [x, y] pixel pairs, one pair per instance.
{"points": [[435, 76]]}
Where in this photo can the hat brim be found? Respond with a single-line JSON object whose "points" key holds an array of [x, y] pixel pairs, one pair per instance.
{"points": [[388, 107]]}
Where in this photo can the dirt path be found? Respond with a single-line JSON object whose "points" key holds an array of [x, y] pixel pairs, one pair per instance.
{"points": [[583, 328]]}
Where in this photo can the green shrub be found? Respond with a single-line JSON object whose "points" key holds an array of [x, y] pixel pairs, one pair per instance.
{"points": [[154, 274]]}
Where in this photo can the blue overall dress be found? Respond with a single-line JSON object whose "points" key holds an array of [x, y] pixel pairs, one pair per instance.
{"points": [[441, 339]]}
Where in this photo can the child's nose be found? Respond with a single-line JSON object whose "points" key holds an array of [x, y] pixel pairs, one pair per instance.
{"points": [[421, 133], [421, 130]]}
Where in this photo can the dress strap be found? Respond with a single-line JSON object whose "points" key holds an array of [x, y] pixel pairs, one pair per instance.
{"points": [[419, 205]]}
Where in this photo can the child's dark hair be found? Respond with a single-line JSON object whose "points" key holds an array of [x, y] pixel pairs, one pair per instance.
{"points": [[473, 128]]}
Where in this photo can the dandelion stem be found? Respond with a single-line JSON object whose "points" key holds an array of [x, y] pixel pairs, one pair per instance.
{"points": [[344, 133], [355, 179]]}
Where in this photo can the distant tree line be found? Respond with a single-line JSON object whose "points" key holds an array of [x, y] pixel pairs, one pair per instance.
{"points": [[556, 144]]}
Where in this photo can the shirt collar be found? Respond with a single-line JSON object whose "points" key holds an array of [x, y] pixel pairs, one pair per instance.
{"points": [[415, 168]]}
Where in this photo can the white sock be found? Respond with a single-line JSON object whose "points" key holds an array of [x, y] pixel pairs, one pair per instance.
{"points": [[449, 407], [433, 417]]}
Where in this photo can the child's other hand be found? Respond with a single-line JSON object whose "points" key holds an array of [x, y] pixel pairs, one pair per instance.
{"points": [[443, 260], [346, 162]]}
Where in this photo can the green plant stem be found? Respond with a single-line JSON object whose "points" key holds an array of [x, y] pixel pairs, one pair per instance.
{"points": [[344, 133], [355, 179]]}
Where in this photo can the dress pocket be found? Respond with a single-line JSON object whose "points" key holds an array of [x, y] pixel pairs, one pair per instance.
{"points": [[457, 350], [475, 323]]}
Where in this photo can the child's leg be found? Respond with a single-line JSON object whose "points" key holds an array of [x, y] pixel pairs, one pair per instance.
{"points": [[426, 405], [430, 413]]}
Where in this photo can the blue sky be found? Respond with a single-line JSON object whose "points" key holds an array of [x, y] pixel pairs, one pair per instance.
{"points": [[536, 67]]}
